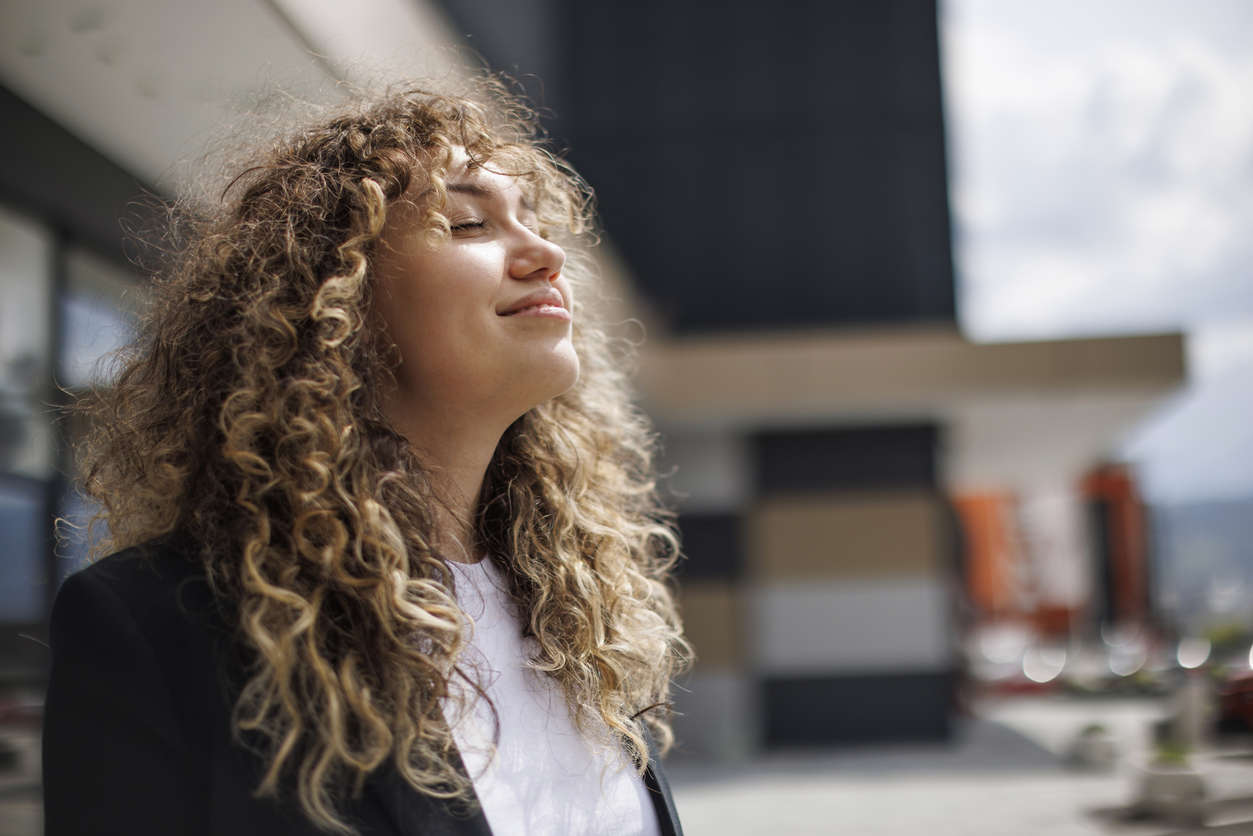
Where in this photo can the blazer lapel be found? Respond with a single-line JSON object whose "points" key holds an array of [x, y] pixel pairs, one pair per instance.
{"points": [[659, 790], [412, 813]]}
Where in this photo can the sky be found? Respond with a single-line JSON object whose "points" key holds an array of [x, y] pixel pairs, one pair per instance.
{"points": [[1101, 169]]}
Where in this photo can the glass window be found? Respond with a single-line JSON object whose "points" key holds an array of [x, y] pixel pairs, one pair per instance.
{"points": [[26, 443], [23, 545], [98, 311], [25, 292]]}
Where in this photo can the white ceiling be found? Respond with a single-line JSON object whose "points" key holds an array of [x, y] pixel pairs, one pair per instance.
{"points": [[157, 85]]}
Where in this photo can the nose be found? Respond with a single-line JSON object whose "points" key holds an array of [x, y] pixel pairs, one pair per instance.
{"points": [[535, 257]]}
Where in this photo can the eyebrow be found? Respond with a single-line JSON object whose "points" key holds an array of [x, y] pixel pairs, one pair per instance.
{"points": [[473, 189], [477, 190]]}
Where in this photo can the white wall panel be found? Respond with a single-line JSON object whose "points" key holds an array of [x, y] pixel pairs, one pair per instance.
{"points": [[849, 626]]}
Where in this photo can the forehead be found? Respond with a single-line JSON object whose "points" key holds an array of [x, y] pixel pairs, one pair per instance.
{"points": [[486, 178], [486, 183], [480, 183]]}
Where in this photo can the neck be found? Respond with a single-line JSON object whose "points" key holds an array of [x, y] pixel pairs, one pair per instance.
{"points": [[456, 453]]}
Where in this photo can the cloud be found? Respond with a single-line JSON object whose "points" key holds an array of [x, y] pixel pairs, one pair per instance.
{"points": [[1103, 188], [1222, 349]]}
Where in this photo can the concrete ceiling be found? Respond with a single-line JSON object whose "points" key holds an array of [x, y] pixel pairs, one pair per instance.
{"points": [[157, 85]]}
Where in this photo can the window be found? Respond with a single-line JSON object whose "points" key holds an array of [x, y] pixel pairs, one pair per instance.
{"points": [[98, 313]]}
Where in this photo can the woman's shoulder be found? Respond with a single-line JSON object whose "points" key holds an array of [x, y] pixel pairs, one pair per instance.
{"points": [[135, 713], [142, 616], [166, 561], [158, 585]]}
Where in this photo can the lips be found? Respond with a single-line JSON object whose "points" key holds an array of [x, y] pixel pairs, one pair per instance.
{"points": [[547, 297]]}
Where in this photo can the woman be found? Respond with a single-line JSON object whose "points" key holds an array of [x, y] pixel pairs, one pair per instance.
{"points": [[391, 558]]}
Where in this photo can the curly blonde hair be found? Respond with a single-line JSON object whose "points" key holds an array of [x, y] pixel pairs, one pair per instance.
{"points": [[248, 417]]}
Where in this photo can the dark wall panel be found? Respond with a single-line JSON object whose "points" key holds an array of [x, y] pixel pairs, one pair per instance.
{"points": [[768, 167], [819, 461], [713, 546], [820, 710]]}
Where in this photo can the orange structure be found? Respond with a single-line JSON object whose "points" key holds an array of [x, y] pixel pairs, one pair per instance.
{"points": [[991, 552], [1121, 544]]}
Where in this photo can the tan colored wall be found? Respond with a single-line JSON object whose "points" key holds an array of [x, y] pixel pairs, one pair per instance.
{"points": [[713, 619], [845, 535]]}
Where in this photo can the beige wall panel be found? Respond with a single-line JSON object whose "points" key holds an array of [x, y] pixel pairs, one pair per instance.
{"points": [[755, 378], [843, 535], [714, 623]]}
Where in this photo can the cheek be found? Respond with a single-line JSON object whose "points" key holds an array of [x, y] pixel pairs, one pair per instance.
{"points": [[441, 317], [427, 290]]}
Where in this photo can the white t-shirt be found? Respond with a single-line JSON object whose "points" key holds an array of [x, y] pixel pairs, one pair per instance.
{"points": [[544, 777]]}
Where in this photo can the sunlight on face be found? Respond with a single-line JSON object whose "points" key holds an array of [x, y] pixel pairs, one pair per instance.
{"points": [[482, 318]]}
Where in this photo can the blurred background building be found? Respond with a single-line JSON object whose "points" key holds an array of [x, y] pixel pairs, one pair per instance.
{"points": [[886, 483]]}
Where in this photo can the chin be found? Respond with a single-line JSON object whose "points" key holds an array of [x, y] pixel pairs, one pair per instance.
{"points": [[554, 376], [565, 377]]}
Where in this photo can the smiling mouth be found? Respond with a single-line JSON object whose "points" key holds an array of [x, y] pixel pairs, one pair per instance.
{"points": [[544, 309], [542, 302]]}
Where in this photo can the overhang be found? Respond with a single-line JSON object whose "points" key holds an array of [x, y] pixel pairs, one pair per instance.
{"points": [[1014, 413]]}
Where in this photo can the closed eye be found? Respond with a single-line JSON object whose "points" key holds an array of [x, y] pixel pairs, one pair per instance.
{"points": [[467, 226]]}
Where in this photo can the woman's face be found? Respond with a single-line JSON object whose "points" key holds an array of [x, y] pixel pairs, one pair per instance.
{"points": [[483, 318]]}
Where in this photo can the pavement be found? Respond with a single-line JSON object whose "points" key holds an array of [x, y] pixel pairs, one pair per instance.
{"points": [[21, 812], [1005, 774]]}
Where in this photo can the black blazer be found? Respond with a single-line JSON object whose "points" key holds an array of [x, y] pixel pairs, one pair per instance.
{"points": [[137, 735]]}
